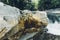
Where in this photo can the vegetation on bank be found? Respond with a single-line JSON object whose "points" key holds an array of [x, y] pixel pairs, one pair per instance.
{"points": [[33, 4]]}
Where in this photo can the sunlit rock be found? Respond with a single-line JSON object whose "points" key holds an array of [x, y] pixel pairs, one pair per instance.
{"points": [[34, 20], [14, 23]]}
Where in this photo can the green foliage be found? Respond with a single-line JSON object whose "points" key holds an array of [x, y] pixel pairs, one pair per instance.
{"points": [[49, 4], [27, 4]]}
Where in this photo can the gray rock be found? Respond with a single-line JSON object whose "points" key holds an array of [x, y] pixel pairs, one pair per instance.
{"points": [[12, 21]]}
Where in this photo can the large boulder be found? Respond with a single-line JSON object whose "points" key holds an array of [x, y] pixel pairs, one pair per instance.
{"points": [[14, 22], [34, 21]]}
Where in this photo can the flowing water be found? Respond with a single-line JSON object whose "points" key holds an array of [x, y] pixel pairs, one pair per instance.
{"points": [[54, 28], [54, 24]]}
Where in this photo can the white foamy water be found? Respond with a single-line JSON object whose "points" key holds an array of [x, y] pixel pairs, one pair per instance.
{"points": [[53, 28]]}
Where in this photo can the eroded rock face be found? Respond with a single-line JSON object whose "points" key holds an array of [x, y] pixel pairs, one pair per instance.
{"points": [[34, 19], [8, 18], [14, 23]]}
